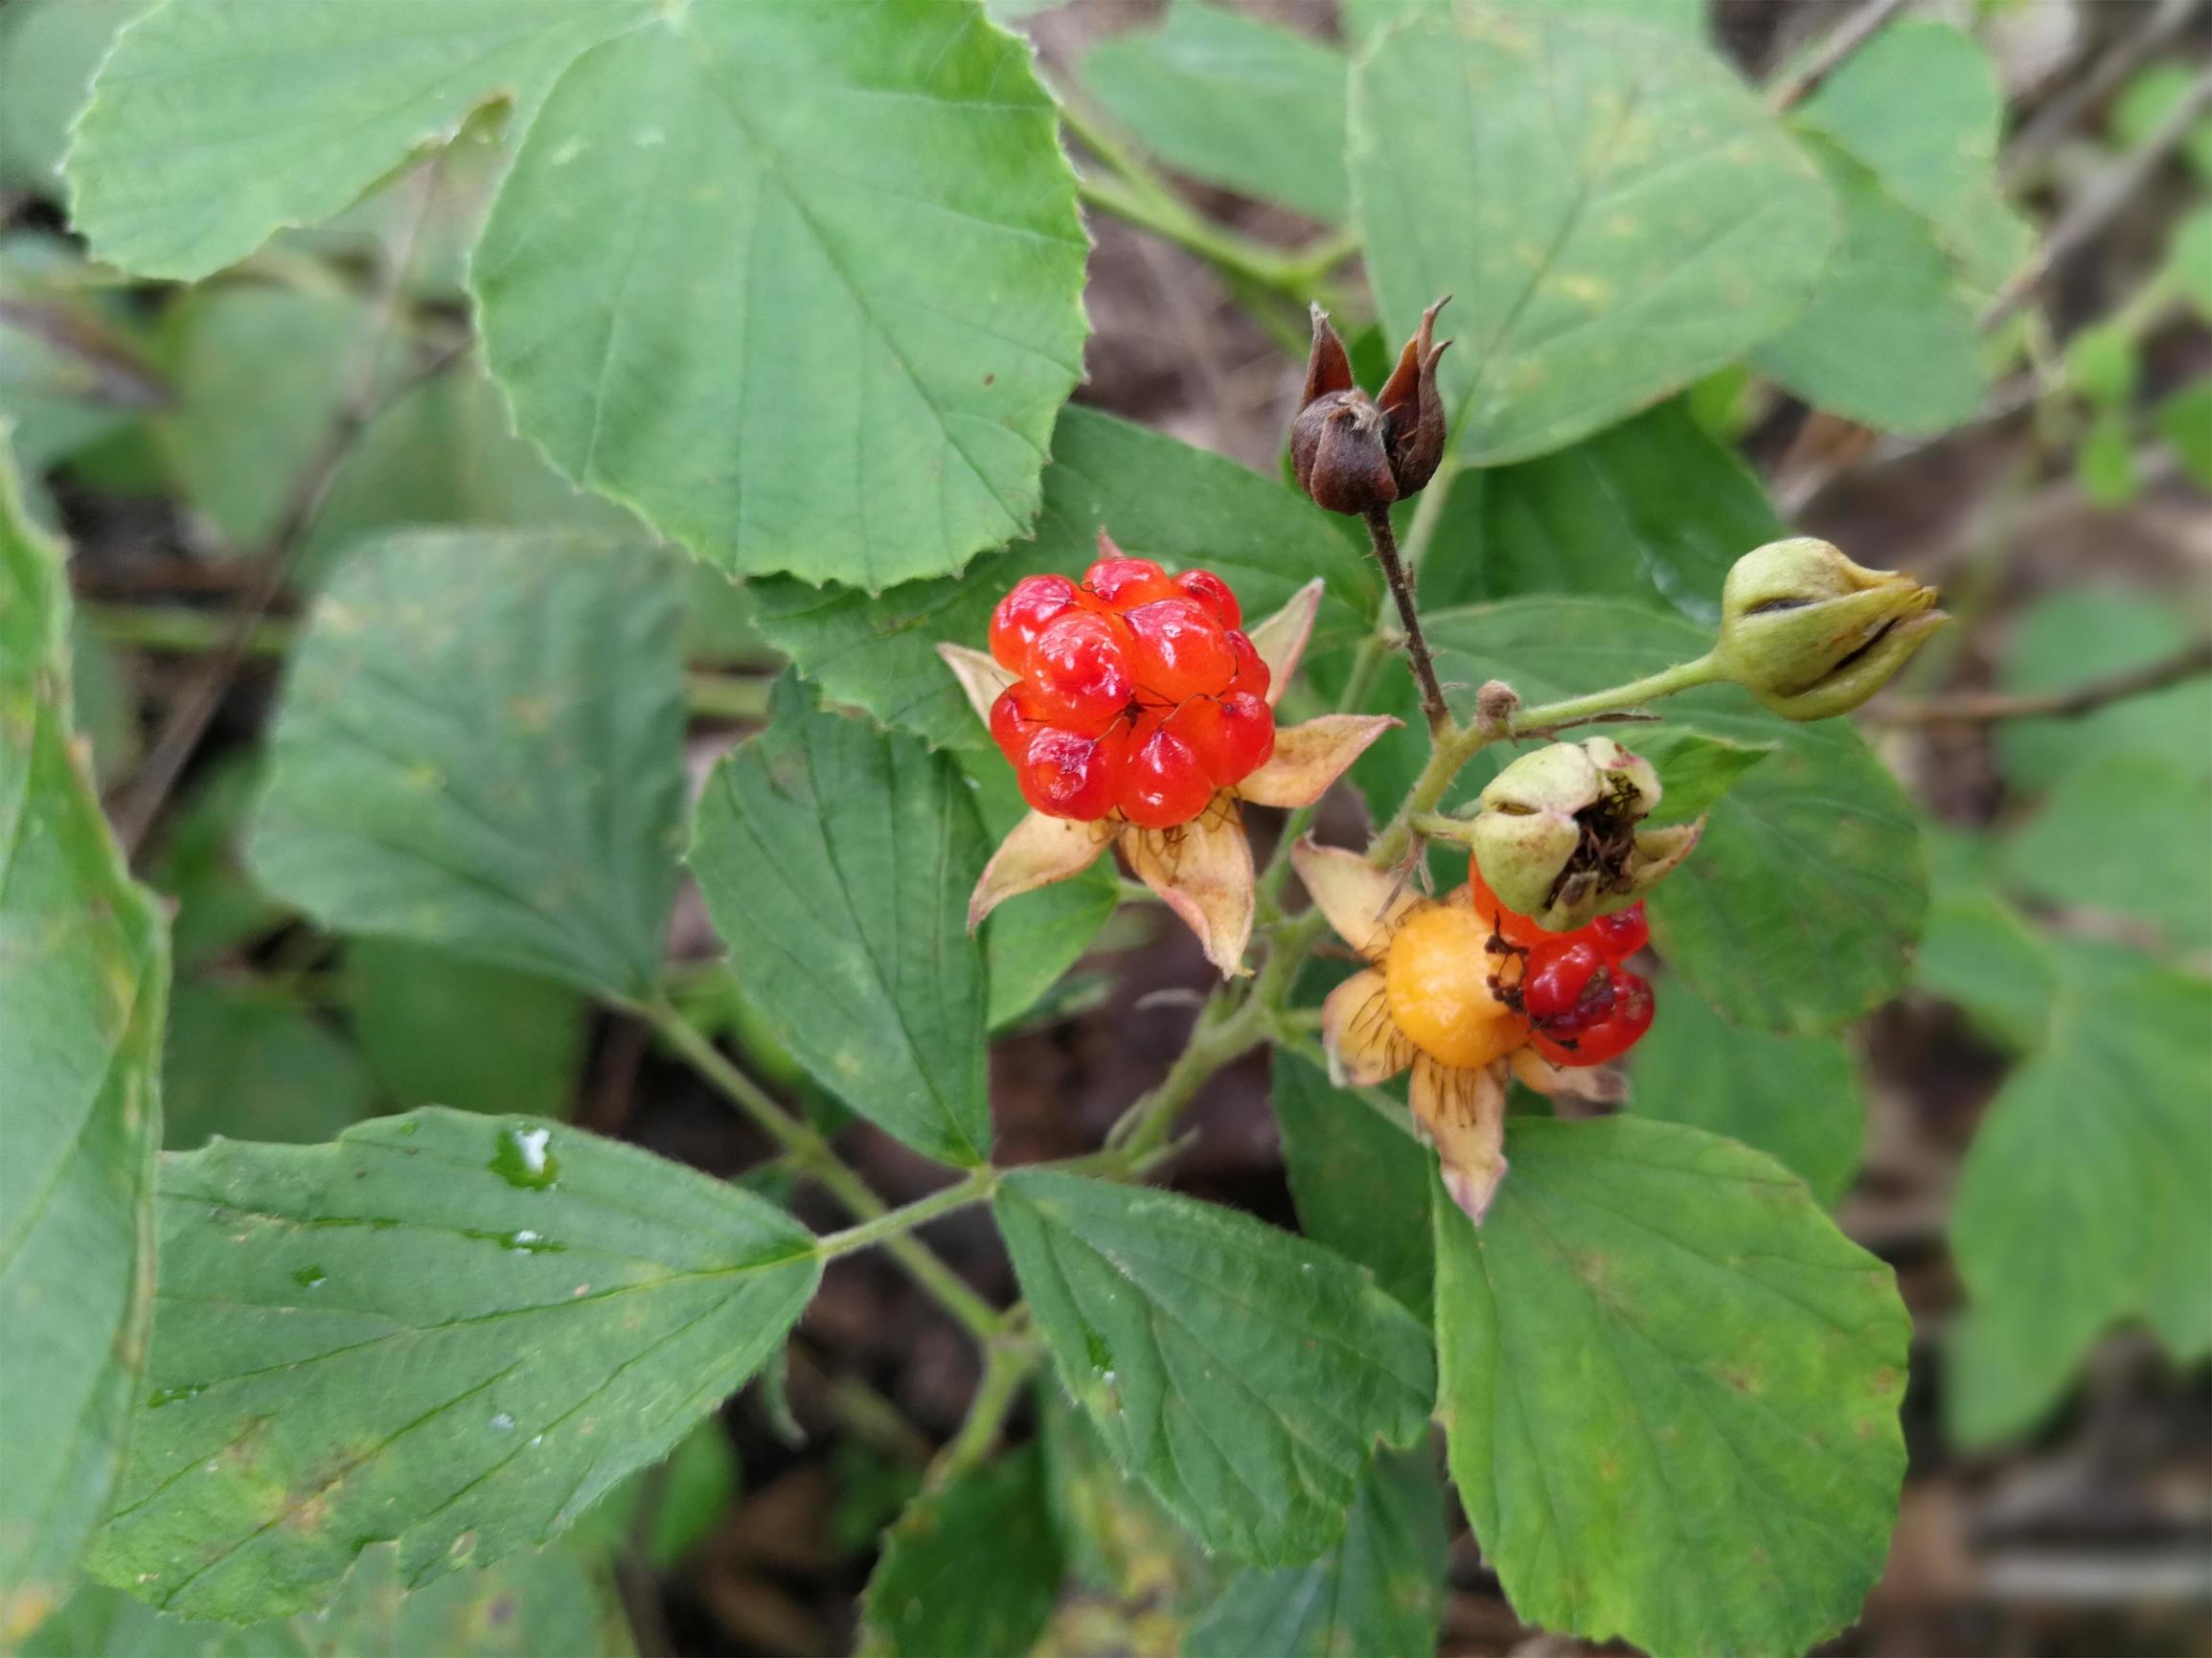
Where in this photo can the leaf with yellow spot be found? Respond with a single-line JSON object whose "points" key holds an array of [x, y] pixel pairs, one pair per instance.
{"points": [[452, 1331], [1671, 1389], [83, 979]]}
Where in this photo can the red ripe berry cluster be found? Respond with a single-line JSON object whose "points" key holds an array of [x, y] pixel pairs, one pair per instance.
{"points": [[1139, 692], [1584, 1006]]}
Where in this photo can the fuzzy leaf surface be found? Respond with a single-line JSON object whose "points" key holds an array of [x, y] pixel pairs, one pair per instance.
{"points": [[83, 983], [452, 1331], [1670, 1391], [1244, 1373], [801, 284], [480, 748], [837, 860]]}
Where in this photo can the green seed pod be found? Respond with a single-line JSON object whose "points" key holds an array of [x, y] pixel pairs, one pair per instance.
{"points": [[1810, 634], [1555, 839]]}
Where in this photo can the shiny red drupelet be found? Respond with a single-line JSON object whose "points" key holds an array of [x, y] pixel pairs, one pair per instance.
{"points": [[1138, 691]]}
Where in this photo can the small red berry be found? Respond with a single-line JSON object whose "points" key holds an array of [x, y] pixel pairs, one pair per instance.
{"points": [[1252, 673], [1605, 1024], [1181, 651], [1623, 933], [1233, 734], [1164, 783], [1213, 595], [1567, 984], [1080, 668], [1120, 582], [1066, 774], [1511, 926], [1023, 614], [1016, 716]]}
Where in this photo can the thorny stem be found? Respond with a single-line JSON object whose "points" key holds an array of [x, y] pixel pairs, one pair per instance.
{"points": [[813, 1154], [1385, 541]]}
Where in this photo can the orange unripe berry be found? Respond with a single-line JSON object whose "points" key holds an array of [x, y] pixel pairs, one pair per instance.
{"points": [[1437, 983]]}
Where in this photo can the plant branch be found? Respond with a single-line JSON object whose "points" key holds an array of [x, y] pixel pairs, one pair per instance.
{"points": [[813, 1153], [1008, 1359], [1395, 572], [1984, 707], [973, 1187]]}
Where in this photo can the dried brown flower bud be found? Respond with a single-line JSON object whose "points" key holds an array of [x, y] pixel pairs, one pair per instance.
{"points": [[1352, 453]]}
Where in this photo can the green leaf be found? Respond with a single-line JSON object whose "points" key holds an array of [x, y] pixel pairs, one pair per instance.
{"points": [[527, 1606], [1381, 1589], [1244, 1375], [2184, 420], [48, 52], [452, 1331], [2126, 834], [1652, 507], [260, 376], [1797, 911], [1683, 17], [1361, 1185], [1228, 99], [1795, 1098], [695, 1485], [443, 453], [441, 1029], [2147, 101], [2103, 365], [1681, 227], [1161, 498], [2081, 1202], [213, 124], [1980, 952], [1031, 942], [480, 748], [76, 367], [252, 1064], [1922, 104], [83, 976], [1696, 770], [928, 1597], [1671, 1389], [199, 865], [836, 862], [1890, 339], [2076, 636], [2105, 464], [738, 212], [103, 702], [1118, 1541]]}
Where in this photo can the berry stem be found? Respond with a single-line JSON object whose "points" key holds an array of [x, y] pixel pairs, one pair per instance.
{"points": [[1394, 571]]}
